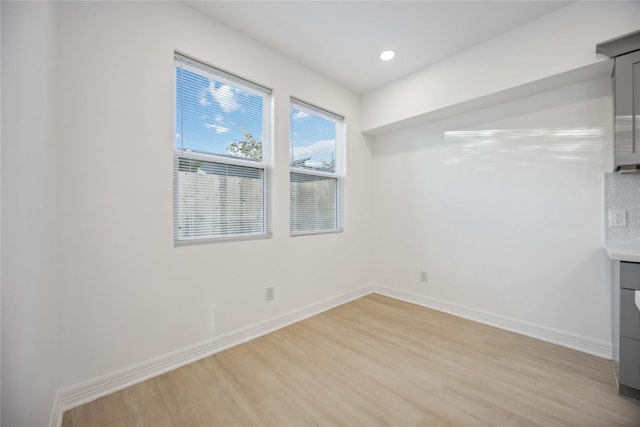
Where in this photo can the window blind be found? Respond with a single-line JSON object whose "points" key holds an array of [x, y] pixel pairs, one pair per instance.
{"points": [[316, 172], [221, 175]]}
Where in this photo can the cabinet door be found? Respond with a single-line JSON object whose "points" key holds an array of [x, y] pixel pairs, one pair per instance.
{"points": [[629, 315], [627, 109], [629, 362]]}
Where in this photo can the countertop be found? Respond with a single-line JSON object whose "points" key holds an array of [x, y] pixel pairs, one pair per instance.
{"points": [[623, 251]]}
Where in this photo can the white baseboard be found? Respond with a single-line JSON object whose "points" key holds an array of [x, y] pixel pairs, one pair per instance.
{"points": [[95, 388], [56, 412], [566, 339]]}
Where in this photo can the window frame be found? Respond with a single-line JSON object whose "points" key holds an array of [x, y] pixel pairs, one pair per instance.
{"points": [[266, 164], [339, 173]]}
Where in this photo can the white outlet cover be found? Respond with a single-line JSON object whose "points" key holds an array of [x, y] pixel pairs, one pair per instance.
{"points": [[617, 218]]}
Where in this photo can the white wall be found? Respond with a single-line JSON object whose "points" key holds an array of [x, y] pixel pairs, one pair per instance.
{"points": [[91, 282], [507, 222], [554, 44], [127, 294], [29, 294]]}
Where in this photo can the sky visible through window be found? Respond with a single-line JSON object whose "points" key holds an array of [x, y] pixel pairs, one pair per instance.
{"points": [[214, 114], [313, 141]]}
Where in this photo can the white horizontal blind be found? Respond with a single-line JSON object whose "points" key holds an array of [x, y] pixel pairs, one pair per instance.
{"points": [[315, 169], [221, 175]]}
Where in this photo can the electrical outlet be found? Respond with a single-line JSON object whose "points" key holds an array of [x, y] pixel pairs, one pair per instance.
{"points": [[423, 276], [269, 293], [617, 218]]}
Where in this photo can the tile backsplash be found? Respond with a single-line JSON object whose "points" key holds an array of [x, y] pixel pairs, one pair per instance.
{"points": [[623, 192]]}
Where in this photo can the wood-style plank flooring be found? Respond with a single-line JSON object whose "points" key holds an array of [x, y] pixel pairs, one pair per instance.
{"points": [[376, 361]]}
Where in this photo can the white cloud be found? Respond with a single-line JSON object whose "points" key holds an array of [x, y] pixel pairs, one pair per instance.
{"points": [[323, 146], [225, 95], [218, 129], [300, 115]]}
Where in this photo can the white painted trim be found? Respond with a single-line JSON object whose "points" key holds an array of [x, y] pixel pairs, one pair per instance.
{"points": [[87, 391], [566, 339], [56, 411]]}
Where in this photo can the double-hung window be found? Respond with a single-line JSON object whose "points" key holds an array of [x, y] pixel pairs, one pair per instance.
{"points": [[221, 167], [316, 169]]}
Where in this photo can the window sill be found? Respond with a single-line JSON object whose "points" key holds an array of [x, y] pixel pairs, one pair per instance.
{"points": [[313, 233], [213, 240]]}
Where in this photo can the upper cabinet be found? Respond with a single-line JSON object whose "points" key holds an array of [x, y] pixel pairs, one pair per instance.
{"points": [[626, 84], [626, 89]]}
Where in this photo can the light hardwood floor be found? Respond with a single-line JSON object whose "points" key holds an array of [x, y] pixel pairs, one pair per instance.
{"points": [[376, 361]]}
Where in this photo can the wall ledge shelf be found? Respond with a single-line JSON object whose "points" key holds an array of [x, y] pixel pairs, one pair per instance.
{"points": [[592, 71]]}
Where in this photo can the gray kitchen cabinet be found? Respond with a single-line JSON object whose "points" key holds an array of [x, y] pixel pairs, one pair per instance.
{"points": [[627, 109], [630, 275], [625, 51], [629, 315], [629, 362], [626, 329]]}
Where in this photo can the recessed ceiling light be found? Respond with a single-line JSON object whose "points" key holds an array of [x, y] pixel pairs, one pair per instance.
{"points": [[387, 55]]}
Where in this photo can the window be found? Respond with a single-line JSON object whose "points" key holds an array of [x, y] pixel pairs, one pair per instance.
{"points": [[221, 168], [316, 173]]}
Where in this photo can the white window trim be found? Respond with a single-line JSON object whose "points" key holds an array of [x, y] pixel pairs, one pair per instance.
{"points": [[340, 165], [267, 159]]}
